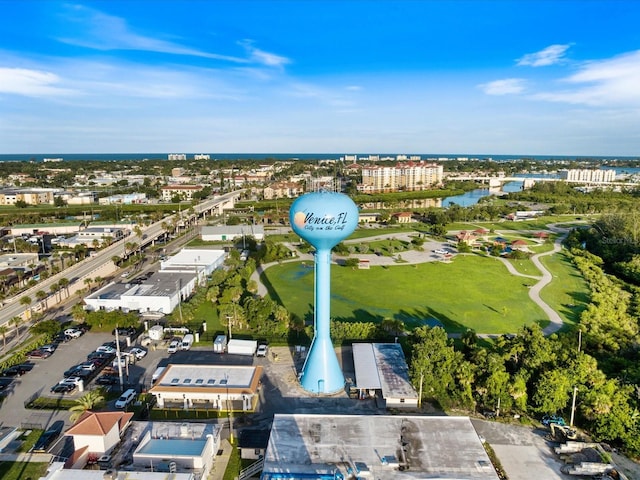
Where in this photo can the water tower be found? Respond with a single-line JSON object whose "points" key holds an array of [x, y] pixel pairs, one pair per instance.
{"points": [[323, 219]]}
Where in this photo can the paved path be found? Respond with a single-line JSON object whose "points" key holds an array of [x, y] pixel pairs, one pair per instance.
{"points": [[426, 255]]}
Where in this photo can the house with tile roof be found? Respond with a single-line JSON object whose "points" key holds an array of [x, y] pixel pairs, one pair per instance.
{"points": [[96, 433]]}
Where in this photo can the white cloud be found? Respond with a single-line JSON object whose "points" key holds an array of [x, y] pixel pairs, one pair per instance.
{"points": [[31, 83], [263, 58], [611, 82], [549, 56], [507, 86], [101, 31]]}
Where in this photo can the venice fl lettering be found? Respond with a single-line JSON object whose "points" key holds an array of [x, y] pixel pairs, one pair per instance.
{"points": [[328, 222]]}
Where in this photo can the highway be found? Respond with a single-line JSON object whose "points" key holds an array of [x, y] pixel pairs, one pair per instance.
{"points": [[84, 268]]}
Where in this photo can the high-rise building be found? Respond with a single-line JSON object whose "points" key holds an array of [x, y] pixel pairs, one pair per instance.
{"points": [[409, 176]]}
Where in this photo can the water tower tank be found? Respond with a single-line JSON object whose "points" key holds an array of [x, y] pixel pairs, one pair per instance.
{"points": [[323, 219]]}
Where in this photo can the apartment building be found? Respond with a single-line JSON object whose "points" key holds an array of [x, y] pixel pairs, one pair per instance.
{"points": [[185, 192], [282, 190], [409, 176], [587, 175], [31, 196]]}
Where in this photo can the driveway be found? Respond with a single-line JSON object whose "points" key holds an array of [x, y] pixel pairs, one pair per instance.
{"points": [[522, 451]]}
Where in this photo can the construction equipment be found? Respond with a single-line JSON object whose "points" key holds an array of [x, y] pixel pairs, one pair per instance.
{"points": [[562, 433]]}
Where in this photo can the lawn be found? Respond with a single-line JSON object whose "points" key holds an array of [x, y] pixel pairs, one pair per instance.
{"points": [[470, 292], [573, 296], [22, 470]]}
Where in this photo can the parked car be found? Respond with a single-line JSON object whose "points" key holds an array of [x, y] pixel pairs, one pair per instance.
{"points": [[174, 346], [63, 388], [138, 353], [103, 356], [61, 338], [15, 371], [37, 353], [262, 350], [48, 437], [123, 360], [48, 348], [549, 419], [73, 332], [106, 349], [75, 380], [125, 331], [88, 366], [107, 380], [72, 371]]}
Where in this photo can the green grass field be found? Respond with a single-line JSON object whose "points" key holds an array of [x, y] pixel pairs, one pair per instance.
{"points": [[470, 292], [568, 293]]}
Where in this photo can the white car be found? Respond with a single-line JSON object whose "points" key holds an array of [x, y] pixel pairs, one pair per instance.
{"points": [[440, 251], [262, 350], [71, 381], [124, 360], [174, 346], [138, 352], [106, 349], [73, 332]]}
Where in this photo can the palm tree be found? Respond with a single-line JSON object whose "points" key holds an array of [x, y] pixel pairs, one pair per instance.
{"points": [[89, 401], [54, 287], [41, 295], [3, 331], [16, 322], [64, 284], [26, 301]]}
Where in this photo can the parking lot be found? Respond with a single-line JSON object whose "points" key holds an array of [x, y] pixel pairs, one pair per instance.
{"points": [[49, 371]]}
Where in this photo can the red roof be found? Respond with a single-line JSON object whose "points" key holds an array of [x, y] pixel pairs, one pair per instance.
{"points": [[99, 423]]}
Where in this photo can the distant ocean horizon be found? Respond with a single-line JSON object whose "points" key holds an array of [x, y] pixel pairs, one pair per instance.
{"points": [[106, 157]]}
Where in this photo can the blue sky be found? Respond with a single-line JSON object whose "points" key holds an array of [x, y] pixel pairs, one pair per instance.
{"points": [[484, 77]]}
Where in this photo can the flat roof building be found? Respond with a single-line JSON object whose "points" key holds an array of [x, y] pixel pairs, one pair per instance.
{"points": [[376, 447], [208, 387]]}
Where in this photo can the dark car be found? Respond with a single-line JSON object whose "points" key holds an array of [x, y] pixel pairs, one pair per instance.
{"points": [[37, 353], [107, 380], [125, 332], [63, 388], [62, 338], [72, 371], [48, 437], [15, 371], [104, 356]]}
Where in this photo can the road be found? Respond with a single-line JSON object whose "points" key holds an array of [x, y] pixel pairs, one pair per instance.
{"points": [[85, 268]]}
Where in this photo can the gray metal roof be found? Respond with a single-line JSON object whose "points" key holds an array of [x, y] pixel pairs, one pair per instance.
{"points": [[382, 366]]}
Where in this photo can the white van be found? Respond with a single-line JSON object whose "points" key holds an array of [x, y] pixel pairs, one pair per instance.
{"points": [[156, 374], [126, 398], [187, 341]]}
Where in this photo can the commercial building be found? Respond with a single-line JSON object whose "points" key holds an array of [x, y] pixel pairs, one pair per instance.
{"points": [[162, 292], [179, 447], [410, 176], [394, 447], [208, 387], [90, 235], [231, 232], [197, 260]]}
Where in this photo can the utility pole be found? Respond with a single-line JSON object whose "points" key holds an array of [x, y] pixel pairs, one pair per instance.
{"points": [[573, 405], [119, 362]]}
